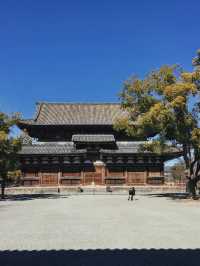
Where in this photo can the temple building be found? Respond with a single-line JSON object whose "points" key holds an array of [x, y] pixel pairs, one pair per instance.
{"points": [[77, 145]]}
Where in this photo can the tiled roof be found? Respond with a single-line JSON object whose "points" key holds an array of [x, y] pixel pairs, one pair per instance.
{"points": [[125, 147], [68, 147], [133, 147], [93, 138], [50, 148], [76, 114]]}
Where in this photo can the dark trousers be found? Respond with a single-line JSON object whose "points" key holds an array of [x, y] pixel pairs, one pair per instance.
{"points": [[130, 197]]}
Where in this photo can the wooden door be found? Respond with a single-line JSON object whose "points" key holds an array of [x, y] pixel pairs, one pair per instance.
{"points": [[49, 179], [136, 178], [88, 178], [92, 178], [98, 179]]}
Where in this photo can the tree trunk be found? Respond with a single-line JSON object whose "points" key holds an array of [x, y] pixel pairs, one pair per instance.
{"points": [[185, 156], [194, 177], [193, 189], [3, 185]]}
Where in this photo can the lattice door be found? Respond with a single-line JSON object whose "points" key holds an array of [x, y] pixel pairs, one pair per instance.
{"points": [[50, 179], [92, 177], [136, 178]]}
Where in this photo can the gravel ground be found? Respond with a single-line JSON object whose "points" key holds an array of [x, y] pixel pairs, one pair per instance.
{"points": [[98, 222]]}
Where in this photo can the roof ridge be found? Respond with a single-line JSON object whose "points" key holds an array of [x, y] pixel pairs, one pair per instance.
{"points": [[79, 103], [38, 109]]}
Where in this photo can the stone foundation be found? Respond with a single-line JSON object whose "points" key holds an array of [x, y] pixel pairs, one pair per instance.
{"points": [[96, 189]]}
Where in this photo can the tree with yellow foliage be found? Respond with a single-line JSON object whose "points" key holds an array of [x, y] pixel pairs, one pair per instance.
{"points": [[9, 146], [165, 105]]}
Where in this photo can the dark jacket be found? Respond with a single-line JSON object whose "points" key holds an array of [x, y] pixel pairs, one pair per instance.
{"points": [[132, 191]]}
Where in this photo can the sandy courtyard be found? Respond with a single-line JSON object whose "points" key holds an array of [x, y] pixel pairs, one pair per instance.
{"points": [[98, 222]]}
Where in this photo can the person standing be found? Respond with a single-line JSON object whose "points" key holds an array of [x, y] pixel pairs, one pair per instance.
{"points": [[131, 193]]}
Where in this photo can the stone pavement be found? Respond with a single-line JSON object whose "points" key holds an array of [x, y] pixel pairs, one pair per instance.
{"points": [[98, 222]]}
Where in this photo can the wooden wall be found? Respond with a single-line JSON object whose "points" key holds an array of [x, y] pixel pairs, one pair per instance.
{"points": [[136, 178], [99, 175]]}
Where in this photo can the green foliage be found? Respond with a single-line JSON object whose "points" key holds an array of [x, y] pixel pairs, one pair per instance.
{"points": [[14, 176], [156, 146], [25, 138], [160, 106], [9, 146], [178, 171], [196, 60]]}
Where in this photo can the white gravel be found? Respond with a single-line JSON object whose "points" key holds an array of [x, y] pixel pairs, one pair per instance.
{"points": [[99, 222]]}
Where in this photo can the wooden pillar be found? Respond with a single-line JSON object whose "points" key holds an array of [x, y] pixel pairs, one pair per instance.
{"points": [[40, 176], [103, 174], [147, 174], [162, 168], [100, 169], [82, 177], [59, 177], [126, 176]]}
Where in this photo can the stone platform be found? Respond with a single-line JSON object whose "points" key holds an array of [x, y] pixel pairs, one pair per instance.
{"points": [[96, 189]]}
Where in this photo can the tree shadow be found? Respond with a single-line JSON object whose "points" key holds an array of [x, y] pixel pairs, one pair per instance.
{"points": [[24, 197], [117, 257], [173, 196]]}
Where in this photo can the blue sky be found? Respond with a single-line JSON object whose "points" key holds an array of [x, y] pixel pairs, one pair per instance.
{"points": [[81, 51]]}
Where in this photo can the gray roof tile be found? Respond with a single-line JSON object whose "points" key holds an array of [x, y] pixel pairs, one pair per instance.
{"points": [[50, 148], [68, 147], [76, 114], [93, 138], [125, 147]]}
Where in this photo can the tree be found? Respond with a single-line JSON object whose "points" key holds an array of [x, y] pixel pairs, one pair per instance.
{"points": [[165, 106], [178, 171], [25, 138], [14, 177], [9, 146]]}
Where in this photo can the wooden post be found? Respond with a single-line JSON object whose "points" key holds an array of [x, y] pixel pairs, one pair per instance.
{"points": [[126, 176], [147, 175], [82, 177], [103, 174], [59, 178], [40, 176]]}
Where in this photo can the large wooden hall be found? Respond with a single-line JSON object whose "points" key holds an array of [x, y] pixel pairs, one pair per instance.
{"points": [[77, 145]]}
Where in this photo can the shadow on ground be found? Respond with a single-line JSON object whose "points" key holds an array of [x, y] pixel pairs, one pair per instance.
{"points": [[22, 197], [173, 196], [101, 257]]}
